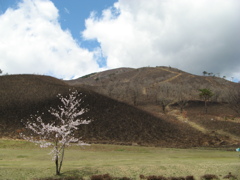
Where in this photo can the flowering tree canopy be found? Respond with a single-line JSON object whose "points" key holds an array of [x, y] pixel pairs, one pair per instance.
{"points": [[59, 133]]}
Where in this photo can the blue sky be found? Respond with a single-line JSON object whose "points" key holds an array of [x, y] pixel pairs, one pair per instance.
{"points": [[71, 38], [73, 14]]}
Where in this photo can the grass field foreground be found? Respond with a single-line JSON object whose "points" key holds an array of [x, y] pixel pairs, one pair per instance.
{"points": [[23, 160]]}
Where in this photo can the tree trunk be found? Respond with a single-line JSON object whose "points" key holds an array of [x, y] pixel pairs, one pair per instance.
{"points": [[60, 166], [181, 109], [163, 108], [56, 157], [56, 163], [206, 106]]}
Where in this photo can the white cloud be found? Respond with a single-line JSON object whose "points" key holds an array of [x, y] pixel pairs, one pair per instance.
{"points": [[32, 41], [191, 35]]}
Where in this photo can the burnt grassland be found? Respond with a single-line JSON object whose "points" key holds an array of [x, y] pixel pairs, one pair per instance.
{"points": [[113, 122]]}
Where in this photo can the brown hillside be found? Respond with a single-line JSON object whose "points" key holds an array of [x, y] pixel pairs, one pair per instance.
{"points": [[150, 89], [114, 122], [22, 95], [148, 85]]}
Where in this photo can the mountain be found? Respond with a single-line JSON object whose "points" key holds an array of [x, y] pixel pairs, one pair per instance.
{"points": [[119, 120], [150, 85]]}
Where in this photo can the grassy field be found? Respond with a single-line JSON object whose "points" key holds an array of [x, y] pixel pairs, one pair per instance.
{"points": [[23, 160]]}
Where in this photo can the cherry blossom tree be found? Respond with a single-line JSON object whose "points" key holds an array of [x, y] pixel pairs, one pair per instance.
{"points": [[59, 133]]}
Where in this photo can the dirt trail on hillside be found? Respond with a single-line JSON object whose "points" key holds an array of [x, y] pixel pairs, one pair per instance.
{"points": [[155, 110], [181, 117], [164, 69], [172, 78]]}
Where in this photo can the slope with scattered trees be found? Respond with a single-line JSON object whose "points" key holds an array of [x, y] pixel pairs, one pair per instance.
{"points": [[163, 90], [131, 106], [151, 85]]}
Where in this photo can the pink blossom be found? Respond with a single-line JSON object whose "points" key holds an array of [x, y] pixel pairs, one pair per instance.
{"points": [[58, 134]]}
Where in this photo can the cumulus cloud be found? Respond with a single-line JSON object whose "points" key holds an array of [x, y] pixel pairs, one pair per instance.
{"points": [[195, 36], [32, 41]]}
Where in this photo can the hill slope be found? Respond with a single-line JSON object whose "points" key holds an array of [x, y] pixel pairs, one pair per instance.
{"points": [[161, 91], [148, 85], [113, 121]]}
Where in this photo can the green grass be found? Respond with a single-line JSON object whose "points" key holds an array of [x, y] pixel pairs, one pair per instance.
{"points": [[23, 160]]}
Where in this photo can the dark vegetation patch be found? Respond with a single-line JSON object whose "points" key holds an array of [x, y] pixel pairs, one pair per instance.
{"points": [[156, 178], [109, 177], [101, 177], [151, 177], [209, 177], [230, 176], [60, 178]]}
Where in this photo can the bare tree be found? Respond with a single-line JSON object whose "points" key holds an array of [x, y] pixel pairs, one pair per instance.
{"points": [[133, 93], [180, 94], [217, 94], [164, 102], [234, 100], [163, 95], [182, 102], [60, 133]]}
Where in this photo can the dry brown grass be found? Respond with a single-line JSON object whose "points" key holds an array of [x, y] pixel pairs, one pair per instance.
{"points": [[113, 121], [124, 83]]}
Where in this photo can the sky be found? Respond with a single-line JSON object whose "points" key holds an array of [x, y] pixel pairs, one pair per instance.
{"points": [[68, 39]]}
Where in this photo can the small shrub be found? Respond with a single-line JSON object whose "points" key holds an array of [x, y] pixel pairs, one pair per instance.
{"points": [[230, 176], [123, 178], [156, 178], [142, 176], [72, 178], [209, 177], [190, 178], [61, 178], [176, 178], [101, 177]]}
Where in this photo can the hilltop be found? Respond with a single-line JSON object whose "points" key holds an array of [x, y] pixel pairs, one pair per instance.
{"points": [[123, 108], [150, 84]]}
